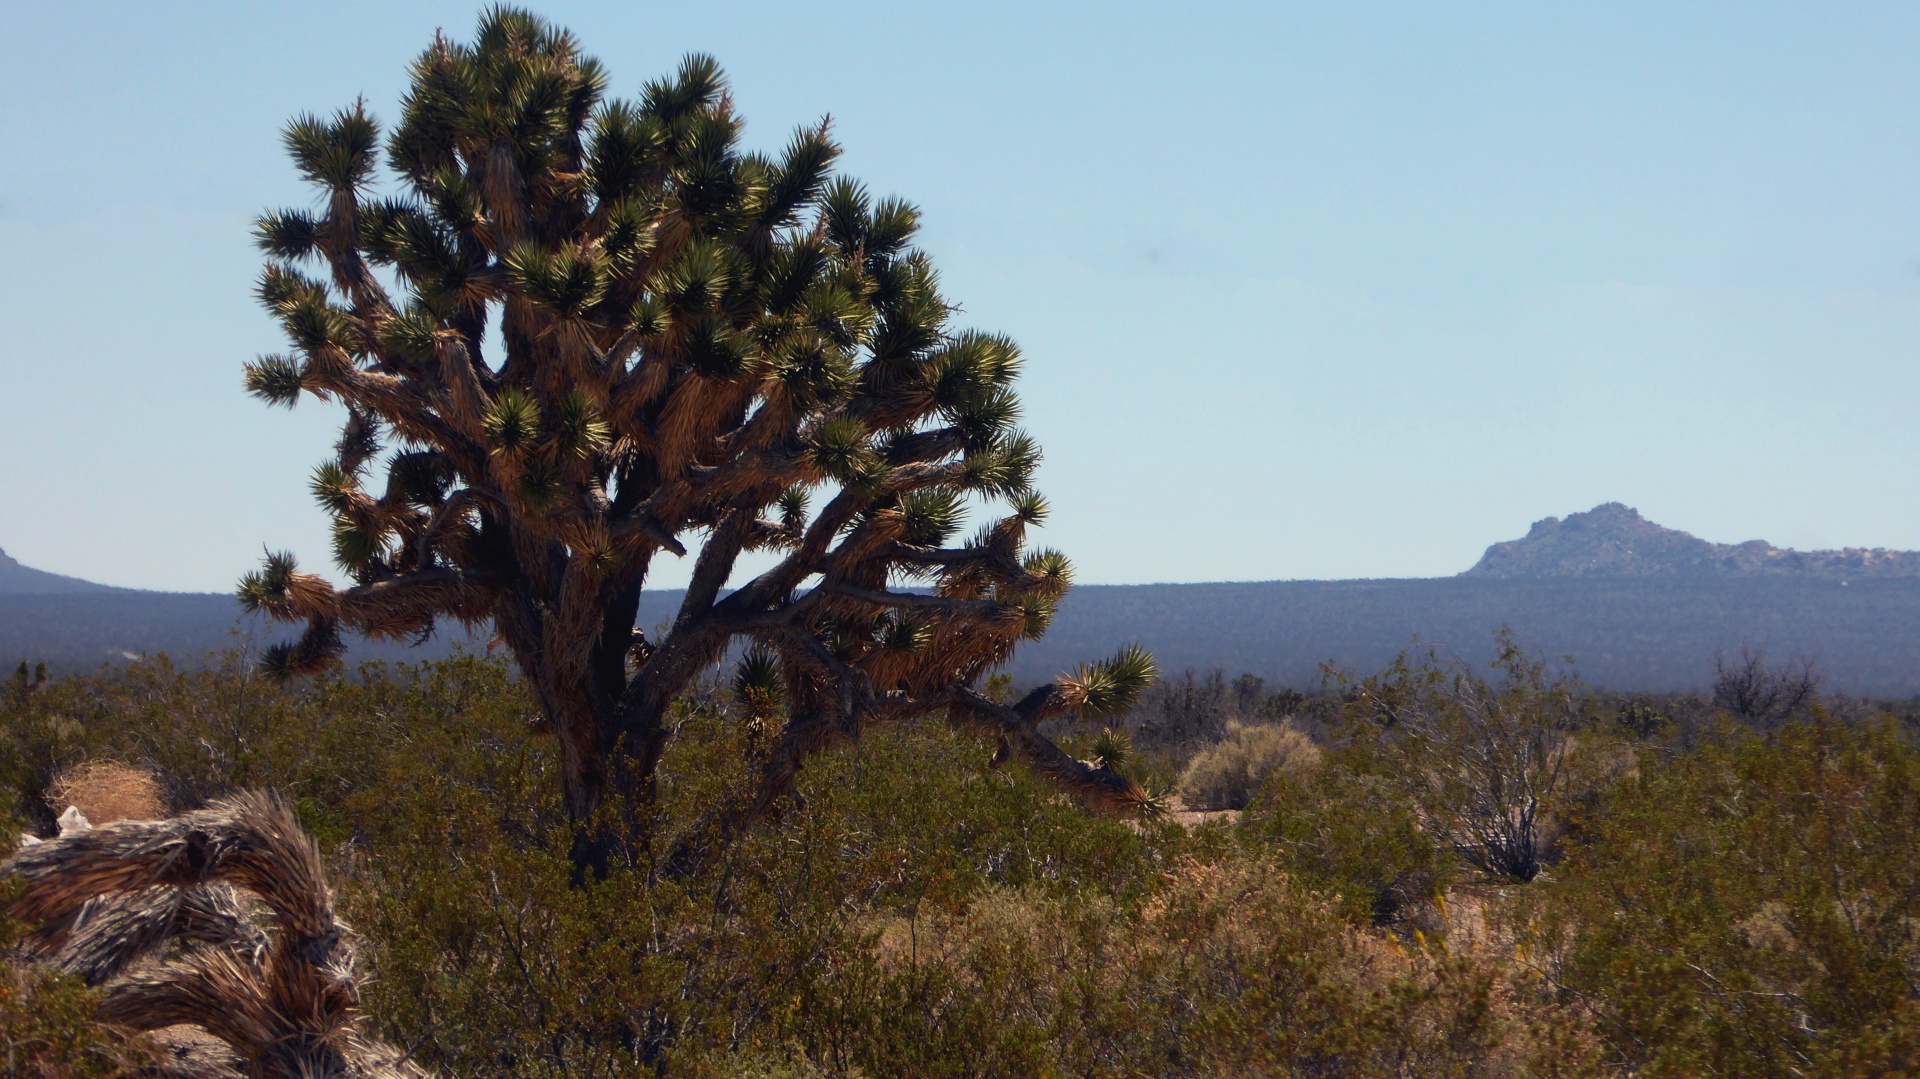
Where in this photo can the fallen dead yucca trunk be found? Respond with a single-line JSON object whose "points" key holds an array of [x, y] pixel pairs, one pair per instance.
{"points": [[220, 920]]}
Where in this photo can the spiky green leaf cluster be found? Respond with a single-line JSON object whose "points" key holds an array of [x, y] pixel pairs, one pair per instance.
{"points": [[418, 478], [840, 448], [338, 153], [1112, 749], [579, 430], [568, 282], [287, 234], [357, 548], [932, 517], [1050, 569], [512, 423], [265, 589], [334, 487], [277, 380], [904, 633], [1113, 685], [1037, 609], [1004, 466], [758, 686]]}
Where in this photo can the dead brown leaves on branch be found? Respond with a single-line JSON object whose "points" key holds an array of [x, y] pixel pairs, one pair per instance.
{"points": [[214, 931]]}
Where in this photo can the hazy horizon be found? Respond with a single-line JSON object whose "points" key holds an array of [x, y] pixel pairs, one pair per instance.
{"points": [[1305, 293], [4, 554]]}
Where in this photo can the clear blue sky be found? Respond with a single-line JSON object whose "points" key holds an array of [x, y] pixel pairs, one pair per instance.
{"points": [[1307, 290]]}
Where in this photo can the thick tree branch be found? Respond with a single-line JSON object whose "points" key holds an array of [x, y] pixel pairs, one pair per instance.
{"points": [[1095, 785], [410, 597]]}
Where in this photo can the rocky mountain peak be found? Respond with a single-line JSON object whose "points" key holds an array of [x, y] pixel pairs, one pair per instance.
{"points": [[1613, 540]]}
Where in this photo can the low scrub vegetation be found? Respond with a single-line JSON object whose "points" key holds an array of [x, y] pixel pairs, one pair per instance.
{"points": [[1486, 763], [1704, 896], [1229, 774]]}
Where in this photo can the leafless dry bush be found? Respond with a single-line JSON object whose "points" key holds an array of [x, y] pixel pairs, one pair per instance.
{"points": [[1488, 762], [1187, 712], [1765, 697]]}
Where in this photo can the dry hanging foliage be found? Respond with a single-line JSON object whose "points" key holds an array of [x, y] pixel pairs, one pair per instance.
{"points": [[216, 929]]}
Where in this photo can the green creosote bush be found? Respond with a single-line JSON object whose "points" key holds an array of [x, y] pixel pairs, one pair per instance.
{"points": [[1227, 774], [479, 947], [1356, 834], [1232, 968], [1491, 764], [914, 914], [1746, 909]]}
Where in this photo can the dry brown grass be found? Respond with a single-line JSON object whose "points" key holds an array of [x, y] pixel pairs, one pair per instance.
{"points": [[1242, 968], [107, 791]]}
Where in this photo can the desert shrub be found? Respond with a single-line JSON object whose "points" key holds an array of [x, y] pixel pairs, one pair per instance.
{"points": [[1746, 906], [1251, 700], [1184, 710], [1231, 968], [1487, 761], [1641, 718], [913, 914], [1229, 773], [1764, 696], [1355, 835], [203, 733], [460, 873], [1747, 909]]}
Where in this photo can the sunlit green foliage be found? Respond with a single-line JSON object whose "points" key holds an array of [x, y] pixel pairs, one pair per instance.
{"points": [[1742, 907], [1752, 908], [914, 914], [1355, 832]]}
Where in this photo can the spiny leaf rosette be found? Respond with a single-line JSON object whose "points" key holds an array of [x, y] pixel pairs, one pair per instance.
{"points": [[685, 344]]}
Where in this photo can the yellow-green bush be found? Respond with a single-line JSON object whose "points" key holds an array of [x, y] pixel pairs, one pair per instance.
{"points": [[1227, 774], [1357, 835], [1040, 938], [1747, 909]]}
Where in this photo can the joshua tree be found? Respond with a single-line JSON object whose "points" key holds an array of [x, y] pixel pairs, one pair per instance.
{"points": [[589, 332]]}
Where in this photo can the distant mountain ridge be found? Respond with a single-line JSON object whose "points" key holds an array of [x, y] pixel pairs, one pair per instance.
{"points": [[19, 580], [1613, 540], [1638, 607]]}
